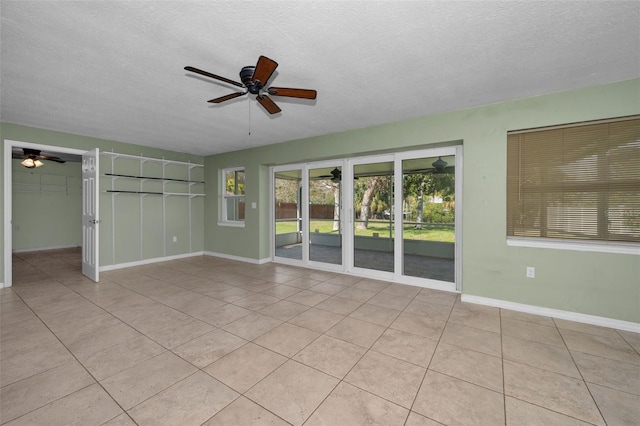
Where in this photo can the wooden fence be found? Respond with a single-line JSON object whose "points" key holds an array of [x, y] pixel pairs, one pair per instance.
{"points": [[316, 211]]}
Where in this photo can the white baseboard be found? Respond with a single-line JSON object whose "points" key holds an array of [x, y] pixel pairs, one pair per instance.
{"points": [[554, 313], [1, 285], [148, 261], [238, 258], [45, 248]]}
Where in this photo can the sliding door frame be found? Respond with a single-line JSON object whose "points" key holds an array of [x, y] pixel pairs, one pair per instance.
{"points": [[348, 220], [323, 265], [351, 268]]}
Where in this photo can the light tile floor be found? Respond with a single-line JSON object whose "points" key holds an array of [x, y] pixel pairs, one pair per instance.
{"points": [[207, 341]]}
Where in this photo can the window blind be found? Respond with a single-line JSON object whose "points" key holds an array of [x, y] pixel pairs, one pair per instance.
{"points": [[578, 182]]}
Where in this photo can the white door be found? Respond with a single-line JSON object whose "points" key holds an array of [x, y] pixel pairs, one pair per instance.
{"points": [[90, 220]]}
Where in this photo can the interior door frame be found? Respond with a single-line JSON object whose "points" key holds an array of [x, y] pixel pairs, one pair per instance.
{"points": [[8, 196]]}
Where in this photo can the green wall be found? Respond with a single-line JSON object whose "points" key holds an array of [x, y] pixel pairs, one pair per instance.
{"points": [[136, 220], [47, 206], [599, 284], [606, 285]]}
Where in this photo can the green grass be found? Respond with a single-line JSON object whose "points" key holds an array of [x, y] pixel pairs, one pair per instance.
{"points": [[429, 232]]}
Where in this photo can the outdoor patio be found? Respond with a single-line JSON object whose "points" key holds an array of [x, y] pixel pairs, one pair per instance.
{"points": [[416, 266]]}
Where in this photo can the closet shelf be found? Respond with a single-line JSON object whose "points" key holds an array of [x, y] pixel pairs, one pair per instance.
{"points": [[159, 160], [152, 178], [133, 192], [184, 194]]}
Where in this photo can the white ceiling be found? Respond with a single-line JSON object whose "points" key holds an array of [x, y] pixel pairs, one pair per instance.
{"points": [[114, 69]]}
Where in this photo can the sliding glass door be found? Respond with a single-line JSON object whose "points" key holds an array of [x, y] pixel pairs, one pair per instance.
{"points": [[325, 213], [373, 213], [428, 220], [393, 217], [287, 214]]}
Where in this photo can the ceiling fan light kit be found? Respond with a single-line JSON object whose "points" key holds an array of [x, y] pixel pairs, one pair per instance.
{"points": [[254, 81], [31, 158], [30, 163]]}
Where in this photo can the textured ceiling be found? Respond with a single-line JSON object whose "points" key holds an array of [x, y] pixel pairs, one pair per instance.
{"points": [[114, 70]]}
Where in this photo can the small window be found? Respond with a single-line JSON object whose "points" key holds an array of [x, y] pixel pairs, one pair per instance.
{"points": [[232, 196], [575, 183]]}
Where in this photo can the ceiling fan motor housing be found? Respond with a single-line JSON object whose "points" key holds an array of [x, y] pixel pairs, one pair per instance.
{"points": [[439, 164], [246, 76]]}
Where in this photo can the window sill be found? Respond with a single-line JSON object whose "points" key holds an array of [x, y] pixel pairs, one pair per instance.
{"points": [[232, 224], [574, 245]]}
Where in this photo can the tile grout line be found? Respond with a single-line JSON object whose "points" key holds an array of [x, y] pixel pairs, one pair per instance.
{"points": [[430, 361], [575, 364], [504, 385], [74, 357]]}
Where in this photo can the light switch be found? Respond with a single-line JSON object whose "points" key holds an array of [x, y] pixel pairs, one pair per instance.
{"points": [[254, 204]]}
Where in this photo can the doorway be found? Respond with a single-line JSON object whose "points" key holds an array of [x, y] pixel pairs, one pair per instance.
{"points": [[9, 146]]}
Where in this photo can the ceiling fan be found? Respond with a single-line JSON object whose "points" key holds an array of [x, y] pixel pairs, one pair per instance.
{"points": [[336, 175], [254, 80], [438, 169], [31, 158]]}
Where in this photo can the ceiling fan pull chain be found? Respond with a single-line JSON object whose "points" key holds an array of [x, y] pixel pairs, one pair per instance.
{"points": [[249, 103]]}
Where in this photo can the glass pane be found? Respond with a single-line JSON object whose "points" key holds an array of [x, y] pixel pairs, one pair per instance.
{"points": [[239, 188], [234, 182], [235, 208], [373, 216], [288, 217], [428, 227], [325, 232]]}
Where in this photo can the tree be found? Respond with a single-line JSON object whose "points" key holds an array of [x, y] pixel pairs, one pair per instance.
{"points": [[336, 206], [371, 185], [286, 190], [325, 191], [421, 184]]}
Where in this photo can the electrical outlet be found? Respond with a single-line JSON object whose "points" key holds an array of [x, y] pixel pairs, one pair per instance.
{"points": [[175, 239], [531, 272]]}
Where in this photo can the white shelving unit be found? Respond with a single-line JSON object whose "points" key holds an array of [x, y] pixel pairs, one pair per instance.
{"points": [[147, 185], [141, 178]]}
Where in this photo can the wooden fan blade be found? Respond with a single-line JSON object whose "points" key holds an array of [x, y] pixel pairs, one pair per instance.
{"points": [[56, 159], [264, 69], [293, 93], [227, 97], [217, 77], [268, 104]]}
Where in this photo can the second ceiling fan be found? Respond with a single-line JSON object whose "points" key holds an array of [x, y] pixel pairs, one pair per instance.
{"points": [[254, 81]]}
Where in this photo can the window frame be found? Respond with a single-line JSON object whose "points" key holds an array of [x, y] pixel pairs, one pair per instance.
{"points": [[226, 198], [602, 246]]}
